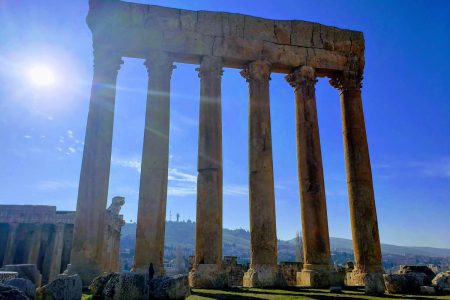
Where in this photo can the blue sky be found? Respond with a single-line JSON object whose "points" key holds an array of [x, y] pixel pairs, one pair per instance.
{"points": [[406, 102]]}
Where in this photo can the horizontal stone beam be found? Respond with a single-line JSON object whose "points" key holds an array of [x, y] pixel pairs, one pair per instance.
{"points": [[135, 30]]}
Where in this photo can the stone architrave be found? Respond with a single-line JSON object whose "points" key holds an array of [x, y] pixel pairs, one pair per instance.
{"points": [[366, 241], [208, 242], [88, 235], [263, 235], [316, 242], [154, 169]]}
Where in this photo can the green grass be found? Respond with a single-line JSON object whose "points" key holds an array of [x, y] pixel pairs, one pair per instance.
{"points": [[252, 294]]}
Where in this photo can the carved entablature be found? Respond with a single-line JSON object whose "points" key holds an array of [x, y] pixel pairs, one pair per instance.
{"points": [[159, 62], [136, 30]]}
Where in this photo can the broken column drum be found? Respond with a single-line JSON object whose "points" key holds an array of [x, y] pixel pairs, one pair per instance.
{"points": [[259, 47]]}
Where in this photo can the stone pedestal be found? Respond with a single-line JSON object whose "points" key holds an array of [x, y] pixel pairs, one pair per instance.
{"points": [[207, 271], [316, 242], [208, 276], [263, 235], [366, 240], [263, 275], [87, 246], [154, 169]]}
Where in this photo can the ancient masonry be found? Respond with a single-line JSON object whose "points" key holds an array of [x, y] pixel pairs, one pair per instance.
{"points": [[40, 235], [302, 50]]}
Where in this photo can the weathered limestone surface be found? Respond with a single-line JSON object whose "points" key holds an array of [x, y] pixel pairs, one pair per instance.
{"points": [[136, 30], [88, 235], [24, 285], [208, 242], [366, 240], [154, 169], [64, 287], [316, 242], [263, 237]]}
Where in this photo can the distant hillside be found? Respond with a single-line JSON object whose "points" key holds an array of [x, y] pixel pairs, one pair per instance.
{"points": [[236, 242]]}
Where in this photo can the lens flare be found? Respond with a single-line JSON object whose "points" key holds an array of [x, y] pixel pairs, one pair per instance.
{"points": [[42, 76]]}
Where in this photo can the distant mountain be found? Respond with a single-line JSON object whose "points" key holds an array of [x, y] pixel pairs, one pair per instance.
{"points": [[236, 243]]}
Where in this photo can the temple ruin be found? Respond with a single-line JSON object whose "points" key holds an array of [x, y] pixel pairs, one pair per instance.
{"points": [[303, 51], [41, 235]]}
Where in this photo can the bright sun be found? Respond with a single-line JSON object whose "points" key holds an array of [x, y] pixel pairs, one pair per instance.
{"points": [[42, 76]]}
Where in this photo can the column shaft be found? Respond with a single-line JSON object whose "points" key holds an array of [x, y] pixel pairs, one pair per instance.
{"points": [[11, 244], [154, 170], [34, 244], [316, 243], [86, 256], [208, 241], [263, 235], [366, 240], [56, 250]]}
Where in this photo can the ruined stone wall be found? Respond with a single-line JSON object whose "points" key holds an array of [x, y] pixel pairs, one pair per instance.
{"points": [[42, 236]]}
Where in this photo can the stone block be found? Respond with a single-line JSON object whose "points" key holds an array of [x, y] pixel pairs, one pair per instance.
{"points": [[188, 20], [6, 275], [282, 31], [259, 29], [63, 287], [238, 49], [207, 276], [126, 285], [402, 283], [210, 23], [285, 54], [406, 269], [427, 290], [233, 25], [27, 271], [442, 281], [24, 285], [99, 283], [336, 289], [263, 276], [302, 33], [176, 287], [11, 293]]}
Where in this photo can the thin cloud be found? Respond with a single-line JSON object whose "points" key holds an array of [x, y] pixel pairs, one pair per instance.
{"points": [[53, 185]]}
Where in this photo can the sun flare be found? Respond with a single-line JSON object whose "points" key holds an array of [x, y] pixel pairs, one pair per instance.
{"points": [[42, 76]]}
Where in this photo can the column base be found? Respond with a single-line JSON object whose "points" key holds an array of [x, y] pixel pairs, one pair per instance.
{"points": [[87, 272], [263, 276], [159, 271], [373, 282], [318, 276], [208, 276]]}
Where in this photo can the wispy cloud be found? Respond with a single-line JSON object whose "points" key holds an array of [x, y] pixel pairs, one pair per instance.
{"points": [[52, 185]]}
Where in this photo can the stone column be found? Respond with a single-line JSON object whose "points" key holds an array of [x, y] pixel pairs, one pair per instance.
{"points": [[263, 234], [11, 244], [316, 242], [115, 255], [34, 245], [86, 256], [57, 249], [208, 241], [366, 241], [154, 170]]}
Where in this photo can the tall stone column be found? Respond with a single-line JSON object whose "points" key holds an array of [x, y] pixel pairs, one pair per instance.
{"points": [[263, 235], [86, 256], [154, 170], [366, 240], [11, 244], [208, 241], [316, 242]]}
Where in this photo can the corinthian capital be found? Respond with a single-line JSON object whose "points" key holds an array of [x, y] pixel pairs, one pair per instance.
{"points": [[257, 70], [160, 63], [351, 78], [303, 78], [107, 61], [210, 66]]}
